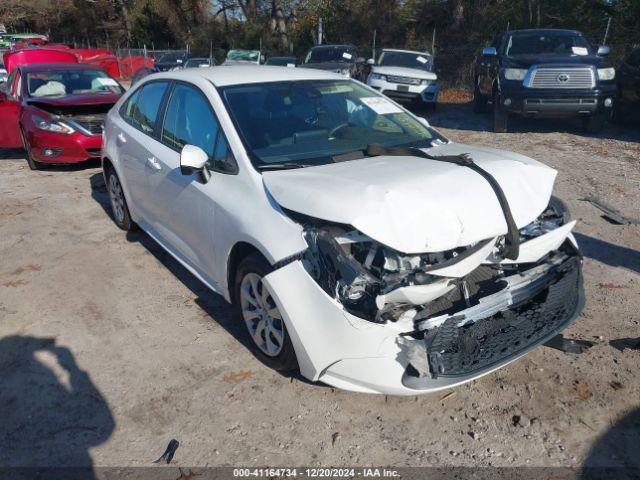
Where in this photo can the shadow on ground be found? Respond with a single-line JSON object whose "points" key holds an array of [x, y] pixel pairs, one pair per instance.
{"points": [[609, 253], [52, 413], [460, 116], [616, 450], [213, 304]]}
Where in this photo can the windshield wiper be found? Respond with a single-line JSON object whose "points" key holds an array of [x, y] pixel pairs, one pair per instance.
{"points": [[281, 166]]}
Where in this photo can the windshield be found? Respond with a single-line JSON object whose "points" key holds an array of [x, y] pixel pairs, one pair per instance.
{"points": [[331, 54], [171, 57], [58, 83], [389, 58], [550, 43], [307, 123], [281, 61], [197, 62], [248, 55]]}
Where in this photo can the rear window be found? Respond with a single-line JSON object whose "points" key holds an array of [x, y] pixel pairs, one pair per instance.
{"points": [[142, 107]]}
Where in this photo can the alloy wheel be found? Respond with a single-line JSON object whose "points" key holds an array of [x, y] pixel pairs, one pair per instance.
{"points": [[261, 315], [117, 198]]}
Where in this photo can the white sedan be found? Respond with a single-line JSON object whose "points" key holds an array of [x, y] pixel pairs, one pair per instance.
{"points": [[358, 244]]}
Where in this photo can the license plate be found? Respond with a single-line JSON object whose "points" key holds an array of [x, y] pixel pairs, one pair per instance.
{"points": [[403, 88]]}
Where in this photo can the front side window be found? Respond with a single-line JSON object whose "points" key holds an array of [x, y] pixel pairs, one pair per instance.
{"points": [[421, 61], [312, 122], [141, 109], [59, 83], [547, 43], [189, 119]]}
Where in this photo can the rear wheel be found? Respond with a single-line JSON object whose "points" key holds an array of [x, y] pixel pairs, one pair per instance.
{"points": [[262, 320], [33, 165], [119, 206], [594, 123]]}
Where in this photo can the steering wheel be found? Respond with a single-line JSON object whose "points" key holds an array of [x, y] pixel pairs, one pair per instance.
{"points": [[338, 128]]}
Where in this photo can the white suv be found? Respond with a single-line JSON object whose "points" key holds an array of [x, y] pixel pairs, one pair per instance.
{"points": [[405, 76], [357, 243]]}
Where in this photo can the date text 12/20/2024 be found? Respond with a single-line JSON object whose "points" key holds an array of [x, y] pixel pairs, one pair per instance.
{"points": [[316, 472]]}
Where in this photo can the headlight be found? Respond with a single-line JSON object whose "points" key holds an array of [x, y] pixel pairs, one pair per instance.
{"points": [[377, 76], [515, 73], [425, 82], [606, 73], [52, 125]]}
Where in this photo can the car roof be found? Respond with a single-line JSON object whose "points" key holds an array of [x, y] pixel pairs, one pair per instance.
{"points": [[542, 31], [405, 51], [225, 75], [58, 66]]}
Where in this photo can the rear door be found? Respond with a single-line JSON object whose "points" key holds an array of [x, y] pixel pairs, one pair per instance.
{"points": [[135, 137], [10, 112]]}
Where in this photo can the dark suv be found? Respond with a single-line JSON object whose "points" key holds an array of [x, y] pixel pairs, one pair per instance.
{"points": [[545, 73]]}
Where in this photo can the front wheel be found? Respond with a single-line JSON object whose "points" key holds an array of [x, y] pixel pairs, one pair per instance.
{"points": [[479, 100], [500, 117], [33, 165], [594, 123], [262, 320]]}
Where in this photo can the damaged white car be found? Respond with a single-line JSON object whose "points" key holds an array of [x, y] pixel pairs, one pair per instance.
{"points": [[358, 244]]}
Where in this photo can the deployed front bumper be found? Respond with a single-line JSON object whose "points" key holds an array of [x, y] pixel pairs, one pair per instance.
{"points": [[407, 93], [348, 352], [534, 102]]}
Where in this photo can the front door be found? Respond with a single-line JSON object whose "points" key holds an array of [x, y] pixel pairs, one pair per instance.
{"points": [[10, 112], [185, 205]]}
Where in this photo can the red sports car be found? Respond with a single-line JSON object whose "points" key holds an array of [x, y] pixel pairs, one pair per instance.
{"points": [[56, 111]]}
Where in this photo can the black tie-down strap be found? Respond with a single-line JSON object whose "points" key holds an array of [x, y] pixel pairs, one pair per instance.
{"points": [[512, 239]]}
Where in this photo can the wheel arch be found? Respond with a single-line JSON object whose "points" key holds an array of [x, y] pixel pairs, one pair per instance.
{"points": [[239, 252]]}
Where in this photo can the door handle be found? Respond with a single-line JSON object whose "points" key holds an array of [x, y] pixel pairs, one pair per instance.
{"points": [[122, 138], [155, 164]]}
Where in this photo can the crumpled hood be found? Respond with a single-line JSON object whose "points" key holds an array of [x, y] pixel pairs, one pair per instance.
{"points": [[405, 72], [415, 205]]}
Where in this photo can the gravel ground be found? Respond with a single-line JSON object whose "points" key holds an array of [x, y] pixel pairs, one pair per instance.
{"points": [[108, 348]]}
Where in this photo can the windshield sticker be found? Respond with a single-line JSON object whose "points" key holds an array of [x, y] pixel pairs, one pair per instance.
{"points": [[107, 82], [422, 60], [380, 105], [347, 56], [579, 51]]}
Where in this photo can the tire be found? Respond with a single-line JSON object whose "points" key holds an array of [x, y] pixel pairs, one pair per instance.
{"points": [[479, 101], [119, 207], [33, 165], [500, 117], [267, 334], [594, 123]]}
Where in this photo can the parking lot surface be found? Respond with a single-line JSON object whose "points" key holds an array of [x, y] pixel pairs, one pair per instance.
{"points": [[109, 348]]}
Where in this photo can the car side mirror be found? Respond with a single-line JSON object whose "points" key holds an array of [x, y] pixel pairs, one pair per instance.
{"points": [[603, 51], [371, 62], [424, 121], [489, 52], [193, 159]]}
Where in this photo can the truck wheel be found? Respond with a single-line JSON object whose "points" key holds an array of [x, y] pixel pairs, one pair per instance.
{"points": [[268, 337], [33, 165], [594, 123], [500, 117], [479, 101]]}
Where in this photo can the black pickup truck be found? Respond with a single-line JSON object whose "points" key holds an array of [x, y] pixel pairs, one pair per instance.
{"points": [[545, 73]]}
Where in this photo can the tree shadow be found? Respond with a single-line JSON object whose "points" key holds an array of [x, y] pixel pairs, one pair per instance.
{"points": [[52, 413], [615, 454], [609, 253], [212, 303], [460, 116]]}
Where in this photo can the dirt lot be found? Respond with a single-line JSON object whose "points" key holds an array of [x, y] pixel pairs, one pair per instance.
{"points": [[108, 348]]}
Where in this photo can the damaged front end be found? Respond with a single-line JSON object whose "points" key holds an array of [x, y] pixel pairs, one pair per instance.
{"points": [[461, 312]]}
